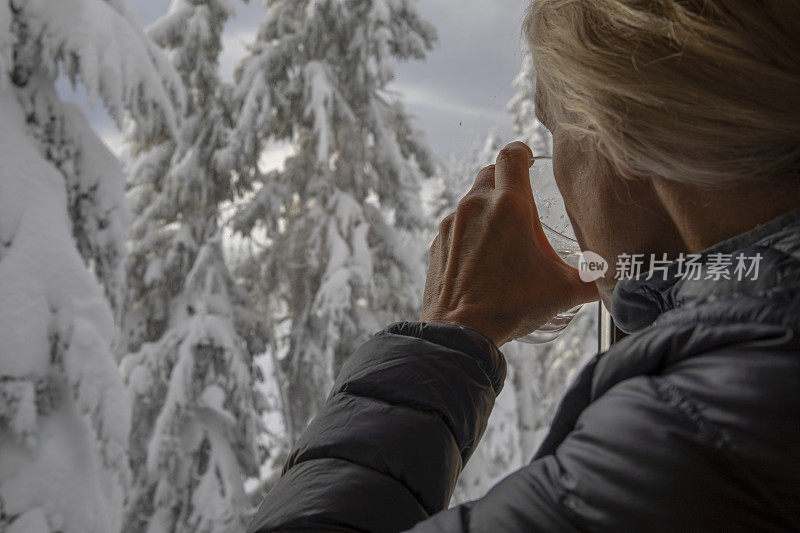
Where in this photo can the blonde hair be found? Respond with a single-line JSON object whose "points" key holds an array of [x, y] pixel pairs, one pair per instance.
{"points": [[699, 91]]}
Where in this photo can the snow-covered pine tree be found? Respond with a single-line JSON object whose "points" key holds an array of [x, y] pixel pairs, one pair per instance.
{"points": [[94, 181], [190, 336], [64, 415], [340, 216]]}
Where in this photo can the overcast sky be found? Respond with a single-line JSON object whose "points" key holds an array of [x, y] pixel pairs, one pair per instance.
{"points": [[457, 95]]}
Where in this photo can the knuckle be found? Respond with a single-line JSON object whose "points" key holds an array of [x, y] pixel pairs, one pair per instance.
{"points": [[444, 225], [486, 172], [508, 205], [471, 203], [485, 178]]}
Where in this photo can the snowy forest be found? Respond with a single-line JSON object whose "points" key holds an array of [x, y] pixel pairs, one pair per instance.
{"points": [[173, 317]]}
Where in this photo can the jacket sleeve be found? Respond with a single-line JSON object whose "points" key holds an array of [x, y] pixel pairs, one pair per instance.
{"points": [[409, 407], [385, 451]]}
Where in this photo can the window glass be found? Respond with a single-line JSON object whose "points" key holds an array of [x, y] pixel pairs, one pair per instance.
{"points": [[225, 199]]}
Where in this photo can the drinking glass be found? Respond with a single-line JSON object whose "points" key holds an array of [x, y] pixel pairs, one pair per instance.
{"points": [[558, 230]]}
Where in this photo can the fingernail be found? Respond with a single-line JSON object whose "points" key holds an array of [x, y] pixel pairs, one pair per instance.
{"points": [[529, 150]]}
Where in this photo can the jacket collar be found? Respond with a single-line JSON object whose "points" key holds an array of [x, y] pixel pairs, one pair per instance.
{"points": [[638, 302]]}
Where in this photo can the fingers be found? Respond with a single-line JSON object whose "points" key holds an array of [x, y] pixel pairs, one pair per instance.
{"points": [[485, 180], [440, 247], [438, 259], [444, 232], [515, 155], [511, 169], [444, 226]]}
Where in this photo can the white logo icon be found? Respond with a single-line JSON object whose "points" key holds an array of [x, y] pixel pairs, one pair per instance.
{"points": [[591, 266]]}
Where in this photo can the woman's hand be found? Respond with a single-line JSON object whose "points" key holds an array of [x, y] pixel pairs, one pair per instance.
{"points": [[491, 266]]}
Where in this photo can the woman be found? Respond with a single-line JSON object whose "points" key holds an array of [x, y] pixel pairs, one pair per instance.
{"points": [[676, 132]]}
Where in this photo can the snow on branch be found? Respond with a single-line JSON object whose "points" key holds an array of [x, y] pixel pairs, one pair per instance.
{"points": [[98, 47]]}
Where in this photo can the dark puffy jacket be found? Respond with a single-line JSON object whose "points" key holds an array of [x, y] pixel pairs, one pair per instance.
{"points": [[692, 423]]}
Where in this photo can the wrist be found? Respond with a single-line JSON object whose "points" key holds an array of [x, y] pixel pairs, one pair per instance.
{"points": [[462, 317]]}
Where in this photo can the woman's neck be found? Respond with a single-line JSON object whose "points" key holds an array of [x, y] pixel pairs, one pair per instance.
{"points": [[704, 217]]}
